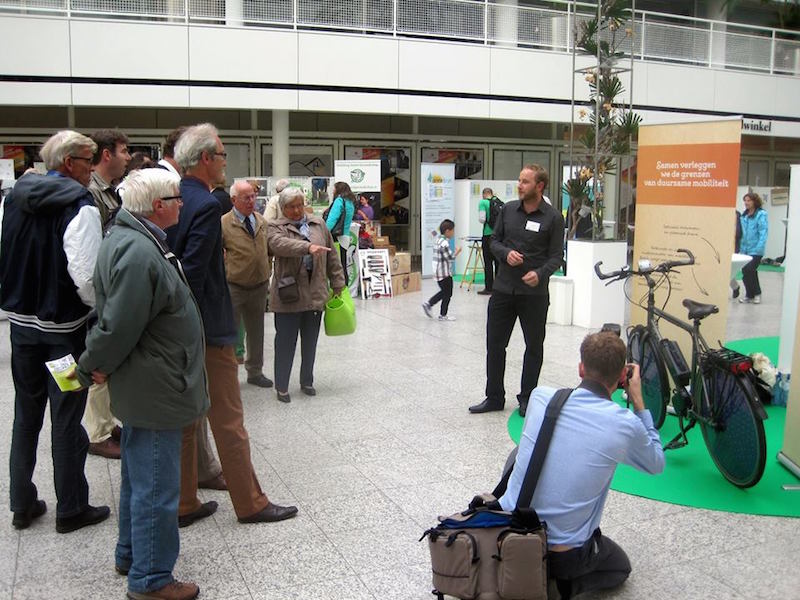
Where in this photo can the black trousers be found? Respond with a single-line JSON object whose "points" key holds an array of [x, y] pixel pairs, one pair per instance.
{"points": [[597, 565], [503, 312], [30, 348], [489, 261], [287, 326], [444, 294], [752, 287]]}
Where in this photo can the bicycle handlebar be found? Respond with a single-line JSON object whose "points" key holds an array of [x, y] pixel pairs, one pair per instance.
{"points": [[664, 267]]}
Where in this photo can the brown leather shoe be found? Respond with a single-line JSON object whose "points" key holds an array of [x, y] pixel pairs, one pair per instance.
{"points": [[177, 590], [218, 483], [270, 514], [107, 449], [206, 510]]}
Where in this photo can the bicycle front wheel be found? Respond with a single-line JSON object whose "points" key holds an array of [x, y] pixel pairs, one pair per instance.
{"points": [[733, 432], [655, 385]]}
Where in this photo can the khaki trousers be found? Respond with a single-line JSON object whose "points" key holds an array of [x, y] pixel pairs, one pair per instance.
{"points": [[226, 418], [249, 305], [97, 418]]}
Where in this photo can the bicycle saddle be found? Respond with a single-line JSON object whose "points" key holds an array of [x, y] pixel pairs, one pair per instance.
{"points": [[698, 310]]}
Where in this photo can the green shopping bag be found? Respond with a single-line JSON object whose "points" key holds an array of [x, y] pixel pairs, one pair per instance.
{"points": [[340, 314]]}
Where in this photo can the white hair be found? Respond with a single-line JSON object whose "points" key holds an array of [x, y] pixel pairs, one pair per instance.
{"points": [[235, 183], [288, 194], [140, 188], [193, 142], [281, 185], [63, 144]]}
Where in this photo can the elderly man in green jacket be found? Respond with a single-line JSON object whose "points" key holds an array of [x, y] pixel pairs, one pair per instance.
{"points": [[148, 346]]}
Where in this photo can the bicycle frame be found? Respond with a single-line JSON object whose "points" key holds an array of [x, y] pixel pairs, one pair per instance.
{"points": [[699, 346]]}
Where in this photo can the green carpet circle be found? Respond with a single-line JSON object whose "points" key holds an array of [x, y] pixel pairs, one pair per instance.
{"points": [[690, 477]]}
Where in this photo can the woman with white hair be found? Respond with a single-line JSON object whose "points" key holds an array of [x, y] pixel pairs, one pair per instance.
{"points": [[304, 264]]}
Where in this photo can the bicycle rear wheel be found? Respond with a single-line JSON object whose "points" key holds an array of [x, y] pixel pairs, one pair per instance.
{"points": [[655, 385], [735, 435]]}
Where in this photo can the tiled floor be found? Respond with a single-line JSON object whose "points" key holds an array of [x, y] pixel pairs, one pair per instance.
{"points": [[386, 446]]}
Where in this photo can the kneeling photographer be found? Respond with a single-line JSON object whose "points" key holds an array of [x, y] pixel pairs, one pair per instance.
{"points": [[592, 435]]}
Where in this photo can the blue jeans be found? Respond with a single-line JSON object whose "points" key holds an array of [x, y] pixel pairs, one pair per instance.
{"points": [[148, 541], [30, 348]]}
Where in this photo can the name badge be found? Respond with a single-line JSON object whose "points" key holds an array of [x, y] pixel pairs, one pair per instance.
{"points": [[532, 225]]}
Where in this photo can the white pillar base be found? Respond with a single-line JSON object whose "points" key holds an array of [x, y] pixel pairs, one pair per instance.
{"points": [[594, 303]]}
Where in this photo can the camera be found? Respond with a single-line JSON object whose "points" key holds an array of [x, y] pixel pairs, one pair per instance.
{"points": [[626, 378]]}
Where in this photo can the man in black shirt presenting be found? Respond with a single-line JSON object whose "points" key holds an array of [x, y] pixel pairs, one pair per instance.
{"points": [[528, 241]]}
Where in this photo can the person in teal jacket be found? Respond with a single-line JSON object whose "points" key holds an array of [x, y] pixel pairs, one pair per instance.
{"points": [[344, 203], [148, 346], [754, 239]]}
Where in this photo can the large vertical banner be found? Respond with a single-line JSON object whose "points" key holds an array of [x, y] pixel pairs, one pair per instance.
{"points": [[687, 175], [789, 455], [437, 196]]}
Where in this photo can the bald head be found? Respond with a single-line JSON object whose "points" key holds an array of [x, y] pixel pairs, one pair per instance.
{"points": [[243, 197]]}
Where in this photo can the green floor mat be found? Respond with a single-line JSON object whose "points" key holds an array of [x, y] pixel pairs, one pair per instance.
{"points": [[764, 269], [690, 477]]}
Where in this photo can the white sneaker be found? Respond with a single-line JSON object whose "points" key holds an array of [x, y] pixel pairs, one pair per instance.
{"points": [[446, 318], [746, 300], [427, 308], [756, 299]]}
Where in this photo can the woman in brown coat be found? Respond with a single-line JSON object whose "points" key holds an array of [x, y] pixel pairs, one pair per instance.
{"points": [[304, 264]]}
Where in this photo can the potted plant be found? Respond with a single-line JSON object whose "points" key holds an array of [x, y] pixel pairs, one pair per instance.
{"points": [[609, 126]]}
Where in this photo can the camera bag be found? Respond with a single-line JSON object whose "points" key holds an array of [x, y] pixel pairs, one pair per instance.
{"points": [[486, 553]]}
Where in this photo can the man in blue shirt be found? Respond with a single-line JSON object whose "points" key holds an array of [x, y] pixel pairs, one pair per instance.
{"points": [[592, 435]]}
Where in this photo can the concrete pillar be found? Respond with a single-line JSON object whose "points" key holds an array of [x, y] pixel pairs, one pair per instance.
{"points": [[234, 13], [280, 143], [506, 23], [717, 10]]}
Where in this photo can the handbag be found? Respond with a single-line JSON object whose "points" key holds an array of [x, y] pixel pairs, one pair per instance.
{"points": [[340, 314], [338, 227], [486, 553], [288, 291]]}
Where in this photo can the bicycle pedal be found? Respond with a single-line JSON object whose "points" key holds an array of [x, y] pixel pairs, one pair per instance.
{"points": [[675, 444]]}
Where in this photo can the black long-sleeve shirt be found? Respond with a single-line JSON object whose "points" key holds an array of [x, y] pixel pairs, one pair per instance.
{"points": [[538, 236]]}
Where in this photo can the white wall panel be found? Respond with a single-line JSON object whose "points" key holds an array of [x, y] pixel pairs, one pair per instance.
{"points": [[348, 102], [364, 61], [529, 111], [526, 73], [449, 107], [445, 67], [242, 98], [786, 96], [32, 46], [233, 54], [675, 86], [743, 92], [84, 94], [32, 94], [140, 50]]}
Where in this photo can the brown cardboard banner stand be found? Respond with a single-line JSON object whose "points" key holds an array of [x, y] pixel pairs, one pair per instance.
{"points": [[687, 175], [789, 456]]}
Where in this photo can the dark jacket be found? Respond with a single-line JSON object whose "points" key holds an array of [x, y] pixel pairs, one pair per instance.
{"points": [[36, 287], [149, 336], [197, 242]]}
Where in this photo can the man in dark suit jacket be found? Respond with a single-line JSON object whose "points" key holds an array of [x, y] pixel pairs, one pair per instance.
{"points": [[197, 241]]}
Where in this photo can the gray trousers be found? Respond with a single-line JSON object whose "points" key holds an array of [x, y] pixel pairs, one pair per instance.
{"points": [[249, 305]]}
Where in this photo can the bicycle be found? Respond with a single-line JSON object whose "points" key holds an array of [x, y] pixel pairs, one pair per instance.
{"points": [[716, 391]]}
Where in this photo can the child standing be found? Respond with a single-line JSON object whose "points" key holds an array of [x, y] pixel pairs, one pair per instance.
{"points": [[442, 269]]}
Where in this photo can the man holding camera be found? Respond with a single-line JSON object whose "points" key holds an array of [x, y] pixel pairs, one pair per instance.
{"points": [[592, 435]]}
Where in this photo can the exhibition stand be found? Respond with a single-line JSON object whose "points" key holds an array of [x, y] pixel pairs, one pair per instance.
{"points": [[600, 303]]}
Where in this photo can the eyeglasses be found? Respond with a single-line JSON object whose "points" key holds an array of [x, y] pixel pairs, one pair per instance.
{"points": [[80, 158], [222, 154], [165, 198]]}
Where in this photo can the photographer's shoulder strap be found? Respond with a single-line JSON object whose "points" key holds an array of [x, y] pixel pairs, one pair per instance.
{"points": [[541, 446]]}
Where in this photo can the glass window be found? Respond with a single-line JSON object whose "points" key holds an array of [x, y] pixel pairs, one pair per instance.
{"points": [[469, 162]]}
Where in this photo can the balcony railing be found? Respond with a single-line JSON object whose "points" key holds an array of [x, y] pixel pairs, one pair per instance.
{"points": [[658, 37]]}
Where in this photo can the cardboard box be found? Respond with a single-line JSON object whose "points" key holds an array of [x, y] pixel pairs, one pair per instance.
{"points": [[392, 249], [400, 263], [381, 241], [408, 282]]}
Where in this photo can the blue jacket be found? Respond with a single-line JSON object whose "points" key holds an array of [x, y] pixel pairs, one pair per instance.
{"points": [[754, 233], [197, 241], [43, 216], [336, 212]]}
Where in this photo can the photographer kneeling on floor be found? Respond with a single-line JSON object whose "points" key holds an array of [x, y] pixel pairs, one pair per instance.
{"points": [[592, 435]]}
